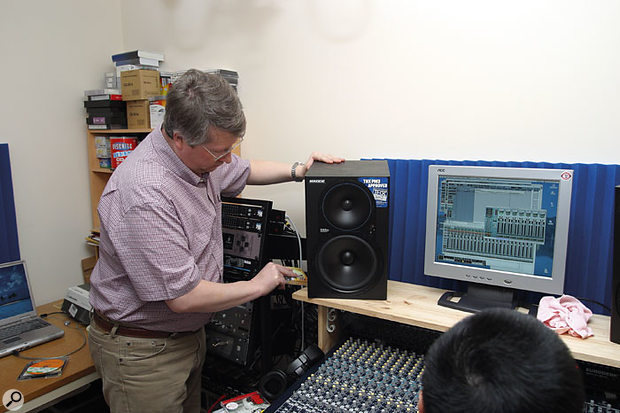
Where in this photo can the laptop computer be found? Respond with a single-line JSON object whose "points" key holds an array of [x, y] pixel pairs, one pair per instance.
{"points": [[20, 327]]}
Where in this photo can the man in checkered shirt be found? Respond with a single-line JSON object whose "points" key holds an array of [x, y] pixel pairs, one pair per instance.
{"points": [[158, 278]]}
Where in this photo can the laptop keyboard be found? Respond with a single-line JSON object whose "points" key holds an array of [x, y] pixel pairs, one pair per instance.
{"points": [[17, 329]]}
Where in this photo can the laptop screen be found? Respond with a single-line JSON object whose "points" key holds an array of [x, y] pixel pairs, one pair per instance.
{"points": [[14, 292]]}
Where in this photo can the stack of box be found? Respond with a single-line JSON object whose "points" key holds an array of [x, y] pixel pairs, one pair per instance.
{"points": [[133, 60], [105, 109], [137, 87]]}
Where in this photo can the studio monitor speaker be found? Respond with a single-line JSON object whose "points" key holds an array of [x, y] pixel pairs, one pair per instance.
{"points": [[347, 210], [615, 282]]}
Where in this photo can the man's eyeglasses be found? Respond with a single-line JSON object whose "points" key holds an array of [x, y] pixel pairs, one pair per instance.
{"points": [[218, 157]]}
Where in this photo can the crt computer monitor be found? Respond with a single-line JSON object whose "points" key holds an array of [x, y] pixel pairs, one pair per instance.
{"points": [[499, 229]]}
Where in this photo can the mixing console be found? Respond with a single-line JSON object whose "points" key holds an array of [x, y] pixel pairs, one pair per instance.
{"points": [[360, 376], [365, 376], [599, 407]]}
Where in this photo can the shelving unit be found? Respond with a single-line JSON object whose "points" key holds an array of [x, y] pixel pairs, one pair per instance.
{"points": [[98, 176]]}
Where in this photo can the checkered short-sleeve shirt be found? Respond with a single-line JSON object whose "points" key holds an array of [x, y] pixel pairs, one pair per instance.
{"points": [[161, 233]]}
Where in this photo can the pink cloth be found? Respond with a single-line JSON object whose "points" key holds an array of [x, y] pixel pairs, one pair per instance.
{"points": [[565, 315]]}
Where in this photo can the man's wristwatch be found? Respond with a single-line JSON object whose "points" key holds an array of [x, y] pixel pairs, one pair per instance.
{"points": [[294, 175]]}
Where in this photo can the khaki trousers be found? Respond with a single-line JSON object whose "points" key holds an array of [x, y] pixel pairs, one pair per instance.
{"points": [[149, 374]]}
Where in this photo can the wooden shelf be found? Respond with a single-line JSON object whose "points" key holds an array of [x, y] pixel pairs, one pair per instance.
{"points": [[416, 305], [102, 171]]}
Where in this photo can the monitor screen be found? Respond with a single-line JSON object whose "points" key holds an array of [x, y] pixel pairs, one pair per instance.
{"points": [[502, 227]]}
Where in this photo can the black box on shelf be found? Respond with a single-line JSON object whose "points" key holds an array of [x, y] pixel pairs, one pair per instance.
{"points": [[117, 104]]}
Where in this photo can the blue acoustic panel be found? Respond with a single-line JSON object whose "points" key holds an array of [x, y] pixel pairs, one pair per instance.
{"points": [[590, 238], [9, 245]]}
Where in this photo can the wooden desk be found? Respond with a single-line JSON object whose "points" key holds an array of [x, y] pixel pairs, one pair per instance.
{"points": [[417, 306], [78, 372]]}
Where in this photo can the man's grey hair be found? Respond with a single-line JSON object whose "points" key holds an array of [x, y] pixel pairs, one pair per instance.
{"points": [[196, 101]]}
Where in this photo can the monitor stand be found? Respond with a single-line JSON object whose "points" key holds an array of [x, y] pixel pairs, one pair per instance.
{"points": [[479, 297]]}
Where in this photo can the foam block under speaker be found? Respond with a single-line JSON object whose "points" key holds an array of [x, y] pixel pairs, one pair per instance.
{"points": [[347, 210]]}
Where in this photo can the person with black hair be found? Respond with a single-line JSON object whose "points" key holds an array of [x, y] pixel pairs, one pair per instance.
{"points": [[500, 360]]}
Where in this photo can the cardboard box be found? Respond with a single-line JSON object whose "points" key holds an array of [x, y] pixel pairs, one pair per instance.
{"points": [[140, 84], [138, 114]]}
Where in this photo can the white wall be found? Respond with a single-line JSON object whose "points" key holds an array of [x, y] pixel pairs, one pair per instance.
{"points": [[50, 52], [482, 79], [479, 79]]}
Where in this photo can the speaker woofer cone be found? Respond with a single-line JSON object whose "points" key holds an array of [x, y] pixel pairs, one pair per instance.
{"points": [[347, 206], [347, 263]]}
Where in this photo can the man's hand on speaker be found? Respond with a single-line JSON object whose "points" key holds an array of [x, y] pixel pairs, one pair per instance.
{"points": [[271, 276], [321, 157]]}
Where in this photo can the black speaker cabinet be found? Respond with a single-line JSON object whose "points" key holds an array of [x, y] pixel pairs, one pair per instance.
{"points": [[615, 279], [347, 210]]}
